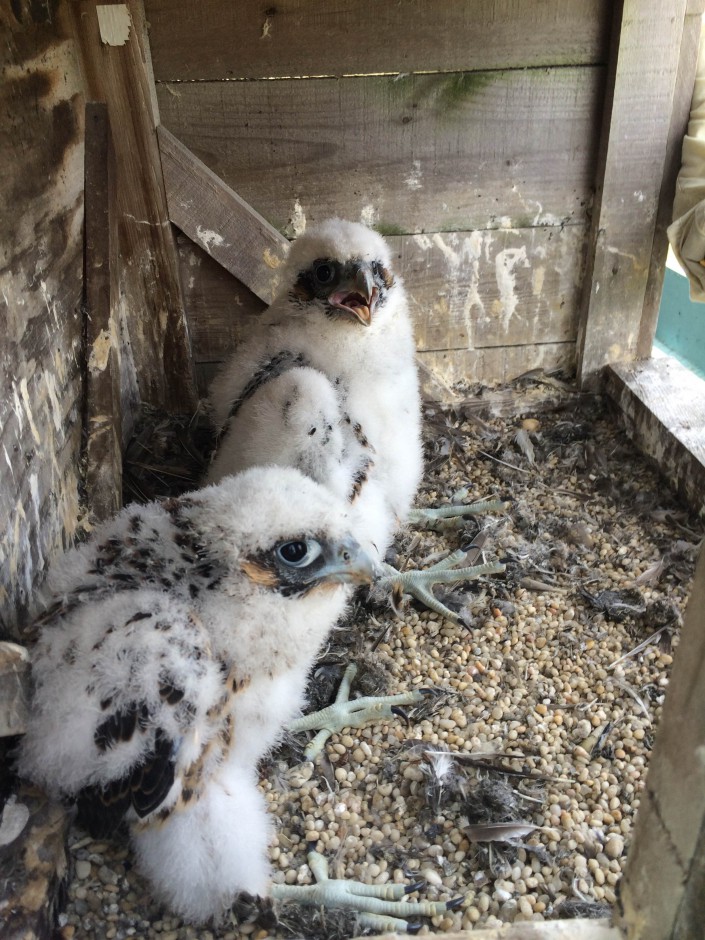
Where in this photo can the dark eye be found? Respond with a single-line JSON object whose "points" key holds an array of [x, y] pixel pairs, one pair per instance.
{"points": [[324, 272], [299, 553]]}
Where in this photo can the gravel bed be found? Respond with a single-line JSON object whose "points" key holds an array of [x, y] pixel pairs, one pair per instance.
{"points": [[545, 712]]}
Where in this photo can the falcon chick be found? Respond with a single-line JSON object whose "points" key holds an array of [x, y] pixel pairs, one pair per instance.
{"points": [[174, 649], [329, 385]]}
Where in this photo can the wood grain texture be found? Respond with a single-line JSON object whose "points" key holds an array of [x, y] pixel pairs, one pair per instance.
{"points": [[663, 407], [663, 856], [632, 166], [41, 241], [411, 154], [214, 39], [218, 220], [149, 269], [103, 416]]}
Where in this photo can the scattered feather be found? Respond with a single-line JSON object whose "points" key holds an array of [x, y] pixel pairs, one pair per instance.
{"points": [[498, 832], [522, 439]]}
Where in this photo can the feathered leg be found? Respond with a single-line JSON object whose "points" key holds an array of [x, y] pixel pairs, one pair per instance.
{"points": [[381, 906]]}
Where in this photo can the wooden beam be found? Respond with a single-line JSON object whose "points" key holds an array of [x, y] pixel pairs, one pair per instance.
{"points": [[115, 72], [662, 405], [644, 72], [659, 888], [217, 219], [102, 390]]}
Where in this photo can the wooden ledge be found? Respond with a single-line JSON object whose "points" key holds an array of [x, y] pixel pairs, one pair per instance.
{"points": [[582, 929], [663, 409]]}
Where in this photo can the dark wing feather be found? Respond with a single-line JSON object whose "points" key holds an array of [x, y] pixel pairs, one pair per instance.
{"points": [[144, 788]]}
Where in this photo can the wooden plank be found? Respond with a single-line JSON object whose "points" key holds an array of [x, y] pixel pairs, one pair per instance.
{"points": [[217, 219], [41, 242], [663, 855], [662, 405], [680, 114], [466, 289], [103, 414], [411, 154], [212, 39], [632, 165], [498, 364], [493, 288], [157, 327]]}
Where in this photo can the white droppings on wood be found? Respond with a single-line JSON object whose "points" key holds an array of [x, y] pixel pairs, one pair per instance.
{"points": [[297, 225], [28, 411], [505, 262], [50, 380], [208, 238], [369, 215], [414, 179]]}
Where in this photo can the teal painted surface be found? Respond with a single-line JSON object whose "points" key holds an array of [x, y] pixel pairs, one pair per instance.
{"points": [[681, 323]]}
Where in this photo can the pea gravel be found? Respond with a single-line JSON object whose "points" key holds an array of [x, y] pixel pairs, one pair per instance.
{"points": [[536, 683]]}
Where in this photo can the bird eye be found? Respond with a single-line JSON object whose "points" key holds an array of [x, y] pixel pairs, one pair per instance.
{"points": [[299, 553], [324, 272]]}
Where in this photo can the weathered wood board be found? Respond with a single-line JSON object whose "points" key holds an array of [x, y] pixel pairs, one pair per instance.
{"points": [[493, 288], [661, 890], [211, 214], [103, 413], [632, 165], [221, 310], [504, 300], [41, 242], [196, 40], [411, 154], [115, 72]]}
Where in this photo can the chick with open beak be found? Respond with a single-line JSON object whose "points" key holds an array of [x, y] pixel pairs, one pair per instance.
{"points": [[357, 296], [351, 289]]}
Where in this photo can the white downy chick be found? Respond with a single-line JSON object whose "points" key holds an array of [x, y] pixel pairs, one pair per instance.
{"points": [[174, 652]]}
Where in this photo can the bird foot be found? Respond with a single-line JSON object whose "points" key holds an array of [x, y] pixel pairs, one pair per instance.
{"points": [[347, 713], [380, 906], [432, 517], [448, 571]]}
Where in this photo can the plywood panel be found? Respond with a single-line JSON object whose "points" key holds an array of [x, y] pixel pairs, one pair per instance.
{"points": [[41, 219], [216, 39], [411, 154]]}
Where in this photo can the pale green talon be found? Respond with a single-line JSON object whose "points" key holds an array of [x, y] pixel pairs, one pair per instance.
{"points": [[380, 906], [344, 713]]}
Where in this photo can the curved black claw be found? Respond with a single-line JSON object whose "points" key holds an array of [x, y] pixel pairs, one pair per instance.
{"points": [[413, 928], [454, 904], [416, 886], [400, 713]]}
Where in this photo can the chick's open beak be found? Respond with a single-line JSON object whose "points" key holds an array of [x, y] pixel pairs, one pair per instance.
{"points": [[358, 296], [346, 562]]}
